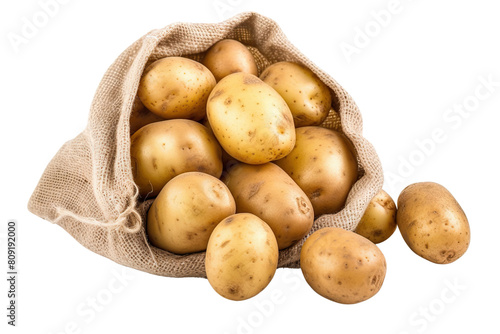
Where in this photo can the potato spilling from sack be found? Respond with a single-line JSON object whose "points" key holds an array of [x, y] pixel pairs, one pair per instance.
{"points": [[186, 212], [159, 151], [242, 256], [270, 194], [176, 87], [307, 96], [323, 164], [432, 222], [342, 266], [251, 120], [229, 56], [379, 220]]}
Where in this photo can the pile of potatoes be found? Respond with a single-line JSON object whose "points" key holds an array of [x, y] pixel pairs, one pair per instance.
{"points": [[239, 167]]}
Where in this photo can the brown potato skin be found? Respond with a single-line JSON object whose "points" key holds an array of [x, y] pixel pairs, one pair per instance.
{"points": [[140, 116], [186, 211], [162, 150], [242, 256], [307, 96], [176, 87], [324, 166], [229, 56], [432, 222], [342, 266], [379, 220], [270, 194]]}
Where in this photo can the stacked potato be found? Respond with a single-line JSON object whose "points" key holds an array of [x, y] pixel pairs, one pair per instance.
{"points": [[239, 166]]}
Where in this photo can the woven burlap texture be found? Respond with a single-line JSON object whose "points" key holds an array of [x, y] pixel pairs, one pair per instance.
{"points": [[88, 188]]}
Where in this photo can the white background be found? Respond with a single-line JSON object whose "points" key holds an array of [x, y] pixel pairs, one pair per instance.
{"points": [[427, 58]]}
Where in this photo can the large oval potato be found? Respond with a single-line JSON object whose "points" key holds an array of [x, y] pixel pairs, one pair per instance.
{"points": [[251, 120], [324, 165], [242, 256], [229, 56], [432, 222], [308, 98], [379, 220], [342, 266], [159, 151], [186, 211], [176, 87], [141, 116], [270, 194]]}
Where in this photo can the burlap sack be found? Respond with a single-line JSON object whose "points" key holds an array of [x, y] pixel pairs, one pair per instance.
{"points": [[88, 187]]}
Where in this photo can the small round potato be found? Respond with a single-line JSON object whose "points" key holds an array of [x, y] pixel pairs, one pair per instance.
{"points": [[270, 194], [229, 56], [159, 151], [140, 116], [307, 96], [379, 220], [342, 266], [250, 119], [432, 222], [176, 87], [186, 212], [242, 256], [324, 165]]}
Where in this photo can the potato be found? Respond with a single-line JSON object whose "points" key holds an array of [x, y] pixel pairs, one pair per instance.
{"points": [[307, 96], [176, 87], [379, 220], [229, 56], [250, 119], [226, 158], [186, 211], [432, 222], [140, 116], [270, 194], [159, 151], [324, 165], [241, 257], [342, 266]]}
